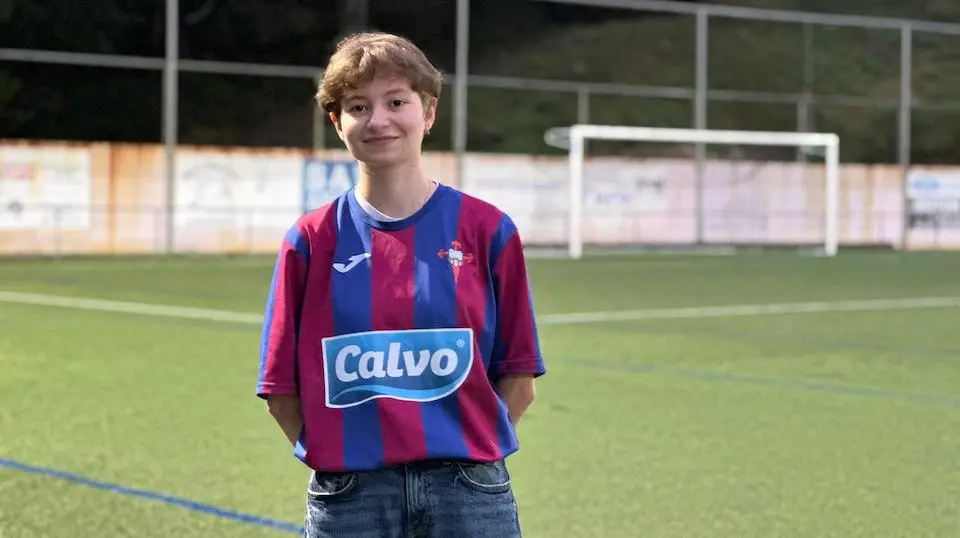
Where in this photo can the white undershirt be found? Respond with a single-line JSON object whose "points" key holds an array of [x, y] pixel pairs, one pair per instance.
{"points": [[372, 211], [368, 208]]}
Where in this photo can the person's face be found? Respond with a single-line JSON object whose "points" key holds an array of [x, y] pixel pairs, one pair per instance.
{"points": [[383, 123]]}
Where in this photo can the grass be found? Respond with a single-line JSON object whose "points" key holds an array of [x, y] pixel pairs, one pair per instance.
{"points": [[821, 424]]}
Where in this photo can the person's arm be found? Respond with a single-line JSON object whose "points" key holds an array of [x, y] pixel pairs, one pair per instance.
{"points": [[516, 360], [277, 381], [518, 392], [286, 411]]}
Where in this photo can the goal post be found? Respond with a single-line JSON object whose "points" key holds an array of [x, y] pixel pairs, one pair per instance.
{"points": [[575, 137]]}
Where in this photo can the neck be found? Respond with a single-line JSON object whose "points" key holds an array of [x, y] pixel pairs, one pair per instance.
{"points": [[396, 191]]}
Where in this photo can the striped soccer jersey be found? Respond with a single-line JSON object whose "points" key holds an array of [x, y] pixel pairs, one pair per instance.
{"points": [[394, 333]]}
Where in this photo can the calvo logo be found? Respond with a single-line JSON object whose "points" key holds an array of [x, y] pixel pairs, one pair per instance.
{"points": [[414, 365]]}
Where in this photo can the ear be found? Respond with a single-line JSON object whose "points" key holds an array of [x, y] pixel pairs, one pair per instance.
{"points": [[429, 113], [336, 124]]}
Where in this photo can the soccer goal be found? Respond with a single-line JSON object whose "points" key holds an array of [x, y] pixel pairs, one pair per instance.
{"points": [[700, 188]]}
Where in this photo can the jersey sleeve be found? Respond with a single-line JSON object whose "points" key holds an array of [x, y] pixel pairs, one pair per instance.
{"points": [[281, 321], [516, 348]]}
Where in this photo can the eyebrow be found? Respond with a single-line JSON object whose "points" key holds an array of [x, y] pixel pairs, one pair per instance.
{"points": [[394, 91]]}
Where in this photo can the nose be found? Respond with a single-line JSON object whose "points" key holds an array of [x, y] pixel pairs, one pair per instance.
{"points": [[379, 116]]}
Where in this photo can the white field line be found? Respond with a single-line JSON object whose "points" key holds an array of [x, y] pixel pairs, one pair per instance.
{"points": [[92, 266], [147, 309], [696, 312], [729, 311]]}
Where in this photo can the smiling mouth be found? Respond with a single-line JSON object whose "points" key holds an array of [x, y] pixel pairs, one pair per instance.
{"points": [[380, 139]]}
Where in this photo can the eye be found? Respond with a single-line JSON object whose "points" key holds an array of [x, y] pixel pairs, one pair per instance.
{"points": [[397, 103], [353, 109]]}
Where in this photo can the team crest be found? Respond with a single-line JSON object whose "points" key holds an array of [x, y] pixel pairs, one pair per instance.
{"points": [[456, 257]]}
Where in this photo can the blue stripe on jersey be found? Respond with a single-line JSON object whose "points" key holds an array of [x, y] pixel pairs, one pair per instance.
{"points": [[299, 242], [352, 297], [435, 306], [504, 231], [268, 319]]}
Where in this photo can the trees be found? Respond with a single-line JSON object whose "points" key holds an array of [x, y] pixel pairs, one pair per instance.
{"points": [[508, 37]]}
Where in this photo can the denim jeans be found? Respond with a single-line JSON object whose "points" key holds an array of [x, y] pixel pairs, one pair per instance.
{"points": [[428, 500]]}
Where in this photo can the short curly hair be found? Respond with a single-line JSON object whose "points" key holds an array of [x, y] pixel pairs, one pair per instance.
{"points": [[361, 57]]}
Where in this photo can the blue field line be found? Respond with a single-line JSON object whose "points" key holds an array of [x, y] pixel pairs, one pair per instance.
{"points": [[195, 506]]}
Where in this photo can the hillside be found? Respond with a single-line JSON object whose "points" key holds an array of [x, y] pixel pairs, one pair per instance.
{"points": [[509, 38], [744, 56]]}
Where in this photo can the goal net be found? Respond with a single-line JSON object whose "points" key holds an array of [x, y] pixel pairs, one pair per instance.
{"points": [[688, 189]]}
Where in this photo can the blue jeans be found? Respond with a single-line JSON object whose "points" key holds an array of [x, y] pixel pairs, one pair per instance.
{"points": [[428, 500]]}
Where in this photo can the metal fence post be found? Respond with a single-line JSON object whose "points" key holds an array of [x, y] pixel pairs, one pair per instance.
{"points": [[700, 111], [170, 83], [906, 103], [583, 105], [805, 101], [460, 86]]}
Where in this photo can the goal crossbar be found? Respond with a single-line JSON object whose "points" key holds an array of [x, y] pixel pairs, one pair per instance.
{"points": [[559, 137], [572, 138]]}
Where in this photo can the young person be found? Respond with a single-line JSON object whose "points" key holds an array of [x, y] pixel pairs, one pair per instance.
{"points": [[399, 344]]}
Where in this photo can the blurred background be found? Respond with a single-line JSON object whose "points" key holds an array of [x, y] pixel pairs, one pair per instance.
{"points": [[240, 76], [245, 69]]}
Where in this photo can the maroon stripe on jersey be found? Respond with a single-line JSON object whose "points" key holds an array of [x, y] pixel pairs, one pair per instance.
{"points": [[479, 412], [325, 426], [392, 282]]}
